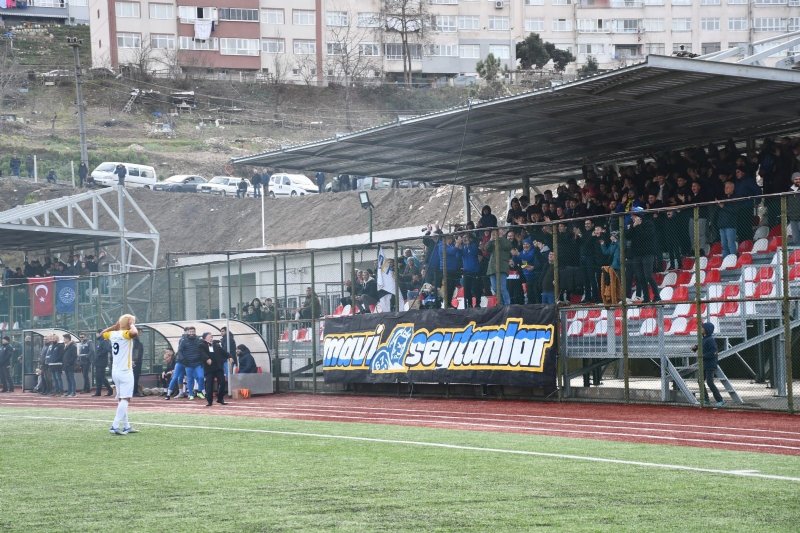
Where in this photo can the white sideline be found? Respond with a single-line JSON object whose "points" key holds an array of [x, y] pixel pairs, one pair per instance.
{"points": [[663, 466]]}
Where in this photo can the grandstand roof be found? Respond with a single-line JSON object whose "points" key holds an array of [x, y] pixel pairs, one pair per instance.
{"points": [[662, 103]]}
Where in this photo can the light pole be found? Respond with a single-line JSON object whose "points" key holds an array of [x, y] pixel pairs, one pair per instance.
{"points": [[75, 44], [363, 197]]}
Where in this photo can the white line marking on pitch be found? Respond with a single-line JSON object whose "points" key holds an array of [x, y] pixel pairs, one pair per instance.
{"points": [[587, 458]]}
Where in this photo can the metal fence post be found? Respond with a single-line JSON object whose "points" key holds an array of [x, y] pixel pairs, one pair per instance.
{"points": [[698, 312], [396, 275], [561, 361], [353, 281], [623, 277], [785, 304], [443, 257], [498, 296], [276, 362], [314, 323]]}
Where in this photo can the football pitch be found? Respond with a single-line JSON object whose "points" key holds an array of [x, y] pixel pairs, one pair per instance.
{"points": [[61, 470]]}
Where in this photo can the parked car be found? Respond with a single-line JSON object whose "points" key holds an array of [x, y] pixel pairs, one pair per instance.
{"points": [[138, 175], [291, 185], [224, 186], [180, 183]]}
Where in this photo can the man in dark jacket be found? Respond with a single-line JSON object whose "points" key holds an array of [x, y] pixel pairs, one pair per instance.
{"points": [[70, 360], [56, 359], [85, 359], [6, 354], [101, 352], [247, 364], [727, 219], [710, 362], [189, 350], [644, 249], [214, 356], [121, 171]]}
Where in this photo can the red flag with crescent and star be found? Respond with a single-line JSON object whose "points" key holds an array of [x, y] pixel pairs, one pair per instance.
{"points": [[41, 293]]}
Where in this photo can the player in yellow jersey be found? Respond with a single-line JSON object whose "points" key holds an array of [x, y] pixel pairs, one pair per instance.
{"points": [[121, 336]]}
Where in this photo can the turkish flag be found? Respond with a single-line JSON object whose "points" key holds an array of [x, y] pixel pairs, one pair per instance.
{"points": [[41, 293]]}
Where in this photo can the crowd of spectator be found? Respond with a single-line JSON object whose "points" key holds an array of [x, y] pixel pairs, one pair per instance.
{"points": [[577, 217], [74, 265]]}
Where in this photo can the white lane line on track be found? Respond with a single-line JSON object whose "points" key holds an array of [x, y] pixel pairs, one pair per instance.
{"points": [[587, 431], [588, 458], [549, 417], [475, 417]]}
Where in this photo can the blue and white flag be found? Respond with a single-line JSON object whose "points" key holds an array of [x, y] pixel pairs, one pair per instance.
{"points": [[66, 294]]}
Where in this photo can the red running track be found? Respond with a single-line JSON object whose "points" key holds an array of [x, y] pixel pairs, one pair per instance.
{"points": [[682, 426]]}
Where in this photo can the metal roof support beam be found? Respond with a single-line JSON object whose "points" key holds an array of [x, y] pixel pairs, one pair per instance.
{"points": [[722, 54], [752, 59]]}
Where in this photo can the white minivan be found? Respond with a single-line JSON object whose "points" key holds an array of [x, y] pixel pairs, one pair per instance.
{"points": [[291, 185], [138, 175]]}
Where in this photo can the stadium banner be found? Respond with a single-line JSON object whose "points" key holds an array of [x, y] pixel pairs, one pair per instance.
{"points": [[510, 345]]}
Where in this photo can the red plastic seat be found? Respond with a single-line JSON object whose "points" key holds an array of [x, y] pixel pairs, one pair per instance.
{"points": [[745, 246], [730, 309], [794, 273], [766, 273], [714, 262], [712, 276], [680, 294], [588, 327], [716, 248], [659, 277], [744, 259], [774, 244], [648, 312], [491, 301], [684, 277], [687, 263], [284, 336], [731, 291], [794, 257], [765, 289], [618, 327], [774, 231]]}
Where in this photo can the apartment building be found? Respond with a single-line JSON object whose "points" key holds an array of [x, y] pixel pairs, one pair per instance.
{"points": [[315, 41]]}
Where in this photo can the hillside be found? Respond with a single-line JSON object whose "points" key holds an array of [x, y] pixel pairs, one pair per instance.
{"points": [[196, 222], [230, 119]]}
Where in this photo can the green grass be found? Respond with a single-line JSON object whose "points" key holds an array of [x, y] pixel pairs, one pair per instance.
{"points": [[179, 474]]}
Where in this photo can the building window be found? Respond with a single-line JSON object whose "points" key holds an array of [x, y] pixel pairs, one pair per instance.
{"points": [[304, 47], [79, 3], [655, 49], [562, 25], [534, 2], [189, 14], [369, 20], [590, 49], [239, 47], [337, 18], [627, 25], [709, 2], [444, 2], [498, 23], [303, 17], [500, 51], [188, 43], [129, 40], [682, 24], [767, 24], [737, 24], [770, 2], [238, 14], [443, 50], [737, 2], [534, 25], [653, 24], [162, 11], [335, 48], [128, 10], [681, 47], [562, 2], [395, 51], [272, 16], [653, 2], [445, 23], [472, 22], [709, 24], [681, 2], [469, 51], [710, 48], [273, 46], [793, 24], [162, 41], [369, 49]]}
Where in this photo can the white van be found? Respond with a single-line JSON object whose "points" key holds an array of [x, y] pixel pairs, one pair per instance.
{"points": [[138, 175], [291, 185]]}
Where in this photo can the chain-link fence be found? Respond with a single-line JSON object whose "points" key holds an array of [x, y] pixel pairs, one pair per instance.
{"points": [[633, 289]]}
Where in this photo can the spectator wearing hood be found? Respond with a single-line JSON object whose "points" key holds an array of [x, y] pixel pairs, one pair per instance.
{"points": [[487, 220], [247, 364], [710, 362]]}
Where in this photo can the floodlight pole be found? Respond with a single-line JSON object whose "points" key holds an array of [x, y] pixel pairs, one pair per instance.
{"points": [[370, 223], [75, 44]]}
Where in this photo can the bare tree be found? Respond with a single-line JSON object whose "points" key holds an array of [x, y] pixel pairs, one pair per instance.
{"points": [[408, 19], [139, 61], [306, 66], [351, 57], [10, 74]]}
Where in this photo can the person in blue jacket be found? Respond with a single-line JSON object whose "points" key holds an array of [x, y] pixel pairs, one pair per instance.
{"points": [[526, 262], [710, 362], [450, 251], [470, 260]]}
